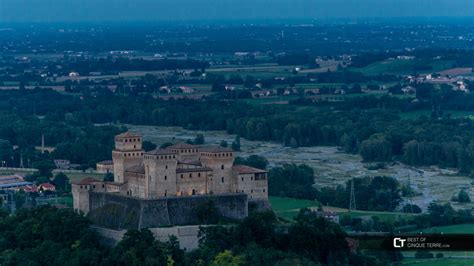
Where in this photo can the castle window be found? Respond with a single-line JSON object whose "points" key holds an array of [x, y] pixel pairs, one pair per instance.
{"points": [[222, 166], [182, 176], [103, 185], [166, 166], [81, 187], [251, 178], [93, 186], [134, 146], [194, 192], [251, 191], [126, 140], [166, 177], [166, 192], [242, 179], [222, 179], [199, 174], [190, 175], [263, 190]]}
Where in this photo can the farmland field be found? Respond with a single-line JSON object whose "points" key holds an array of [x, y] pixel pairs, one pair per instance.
{"points": [[450, 229], [403, 67]]}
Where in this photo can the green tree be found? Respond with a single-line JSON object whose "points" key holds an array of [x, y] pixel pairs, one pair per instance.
{"points": [[226, 258], [199, 139], [61, 181], [148, 145], [236, 143], [463, 196], [224, 144], [44, 168]]}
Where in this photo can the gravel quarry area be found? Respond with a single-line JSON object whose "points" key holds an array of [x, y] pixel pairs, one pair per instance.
{"points": [[331, 166]]}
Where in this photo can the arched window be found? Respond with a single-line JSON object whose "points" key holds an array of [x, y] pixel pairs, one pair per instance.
{"points": [[222, 179], [194, 192], [222, 167]]}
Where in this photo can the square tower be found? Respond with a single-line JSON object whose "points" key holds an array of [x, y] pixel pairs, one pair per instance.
{"points": [[127, 153]]}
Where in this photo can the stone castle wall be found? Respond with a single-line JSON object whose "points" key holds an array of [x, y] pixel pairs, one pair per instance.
{"points": [[120, 212], [188, 236]]}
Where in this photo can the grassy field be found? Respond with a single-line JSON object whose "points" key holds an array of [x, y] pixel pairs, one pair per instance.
{"points": [[439, 262], [288, 208], [450, 229], [403, 67]]}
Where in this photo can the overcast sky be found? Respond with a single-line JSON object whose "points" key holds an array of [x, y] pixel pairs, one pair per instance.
{"points": [[165, 10]]}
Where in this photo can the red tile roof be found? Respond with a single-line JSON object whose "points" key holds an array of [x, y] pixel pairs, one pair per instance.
{"points": [[244, 169], [87, 181], [127, 134]]}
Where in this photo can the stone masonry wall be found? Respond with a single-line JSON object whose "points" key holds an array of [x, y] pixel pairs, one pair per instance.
{"points": [[120, 212]]}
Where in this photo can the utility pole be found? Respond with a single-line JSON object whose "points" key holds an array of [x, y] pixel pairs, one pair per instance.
{"points": [[352, 202], [410, 198], [42, 143]]}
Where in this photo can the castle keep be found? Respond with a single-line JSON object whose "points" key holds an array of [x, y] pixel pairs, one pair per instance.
{"points": [[181, 173]]}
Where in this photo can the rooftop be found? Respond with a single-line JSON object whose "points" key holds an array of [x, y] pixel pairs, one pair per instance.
{"points": [[182, 145], [106, 162], [190, 162], [244, 169], [160, 152], [191, 170], [139, 169], [87, 181], [215, 149], [128, 134]]}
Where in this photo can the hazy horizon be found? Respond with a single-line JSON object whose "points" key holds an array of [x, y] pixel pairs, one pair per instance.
{"points": [[189, 10]]}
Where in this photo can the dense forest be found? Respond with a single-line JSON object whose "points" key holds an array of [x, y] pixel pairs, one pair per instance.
{"points": [[372, 127], [50, 236], [367, 125]]}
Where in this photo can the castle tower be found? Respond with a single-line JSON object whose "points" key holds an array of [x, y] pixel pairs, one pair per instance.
{"points": [[160, 173], [220, 160], [127, 153]]}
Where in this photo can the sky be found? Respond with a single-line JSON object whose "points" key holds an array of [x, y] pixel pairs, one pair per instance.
{"points": [[188, 10]]}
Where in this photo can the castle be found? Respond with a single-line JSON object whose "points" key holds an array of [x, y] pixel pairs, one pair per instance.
{"points": [[179, 172]]}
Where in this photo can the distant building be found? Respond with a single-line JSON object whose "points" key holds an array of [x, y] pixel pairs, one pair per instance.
{"points": [[73, 74], [62, 164], [46, 187], [13, 182], [331, 216], [105, 167], [405, 57], [185, 89]]}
